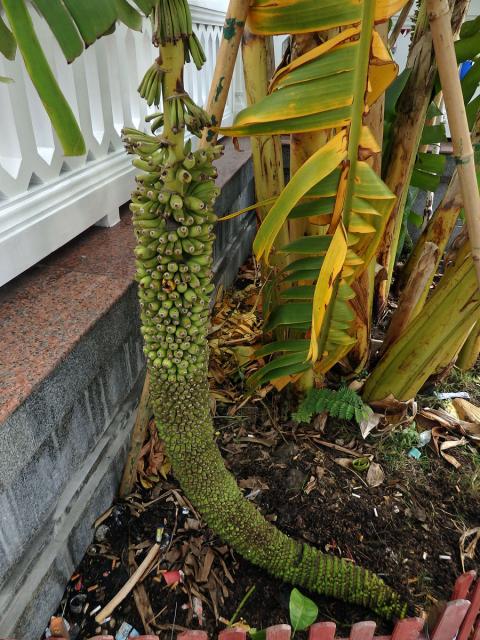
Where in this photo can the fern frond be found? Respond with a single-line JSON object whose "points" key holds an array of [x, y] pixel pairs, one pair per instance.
{"points": [[341, 403]]}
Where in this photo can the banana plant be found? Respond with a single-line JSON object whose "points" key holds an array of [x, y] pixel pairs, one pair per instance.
{"points": [[75, 25], [330, 87], [429, 167], [440, 226], [173, 219]]}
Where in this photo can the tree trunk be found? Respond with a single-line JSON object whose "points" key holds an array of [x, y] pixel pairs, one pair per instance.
{"points": [[407, 305], [470, 351], [412, 108], [411, 111], [258, 65], [443, 40], [225, 64], [432, 338]]}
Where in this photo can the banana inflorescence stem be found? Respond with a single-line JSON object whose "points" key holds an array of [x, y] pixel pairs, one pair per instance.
{"points": [[173, 219]]}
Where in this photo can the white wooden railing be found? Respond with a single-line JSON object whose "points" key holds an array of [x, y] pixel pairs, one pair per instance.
{"points": [[47, 199]]}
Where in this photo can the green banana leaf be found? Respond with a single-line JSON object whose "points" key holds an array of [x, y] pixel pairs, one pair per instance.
{"points": [[8, 44], [75, 25]]}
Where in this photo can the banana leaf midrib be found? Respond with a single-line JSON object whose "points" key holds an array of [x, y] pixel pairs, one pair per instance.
{"points": [[359, 92]]}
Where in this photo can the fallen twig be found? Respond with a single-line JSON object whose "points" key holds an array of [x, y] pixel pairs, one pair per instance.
{"points": [[141, 598], [128, 586], [337, 447]]}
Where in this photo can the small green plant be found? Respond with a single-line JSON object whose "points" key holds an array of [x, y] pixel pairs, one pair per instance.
{"points": [[303, 613], [394, 447], [407, 438], [342, 403]]}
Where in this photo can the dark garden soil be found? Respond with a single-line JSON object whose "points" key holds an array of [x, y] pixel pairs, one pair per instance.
{"points": [[408, 529]]}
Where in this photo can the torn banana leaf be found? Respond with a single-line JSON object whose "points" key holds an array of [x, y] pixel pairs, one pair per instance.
{"points": [[335, 190]]}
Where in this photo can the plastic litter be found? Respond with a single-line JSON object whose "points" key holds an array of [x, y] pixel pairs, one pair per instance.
{"points": [[126, 631], [424, 438], [447, 395], [119, 515], [101, 533], [414, 453], [77, 603], [198, 610], [165, 540], [173, 577], [57, 621]]}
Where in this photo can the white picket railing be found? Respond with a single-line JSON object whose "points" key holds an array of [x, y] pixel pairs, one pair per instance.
{"points": [[47, 199]]}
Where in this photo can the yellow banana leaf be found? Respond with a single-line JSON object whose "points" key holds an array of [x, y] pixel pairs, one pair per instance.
{"points": [[330, 86], [273, 17], [331, 268], [322, 163]]}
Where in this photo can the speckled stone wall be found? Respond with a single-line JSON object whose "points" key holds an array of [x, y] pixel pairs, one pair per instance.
{"points": [[71, 372]]}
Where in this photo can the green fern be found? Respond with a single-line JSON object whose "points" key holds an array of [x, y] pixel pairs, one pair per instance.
{"points": [[342, 403]]}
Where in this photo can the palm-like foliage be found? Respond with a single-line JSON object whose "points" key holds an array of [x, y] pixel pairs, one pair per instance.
{"points": [[328, 88]]}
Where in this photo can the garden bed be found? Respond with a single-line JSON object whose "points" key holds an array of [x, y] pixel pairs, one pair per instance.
{"points": [[408, 528]]}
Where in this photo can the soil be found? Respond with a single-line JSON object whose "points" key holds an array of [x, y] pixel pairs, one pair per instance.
{"points": [[407, 529]]}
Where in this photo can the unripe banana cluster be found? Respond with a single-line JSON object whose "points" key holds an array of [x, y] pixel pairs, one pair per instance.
{"points": [[182, 110], [150, 88], [173, 219], [172, 21]]}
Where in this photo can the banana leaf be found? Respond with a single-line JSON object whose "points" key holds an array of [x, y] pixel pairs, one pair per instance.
{"points": [[330, 87], [8, 45], [432, 338], [75, 25]]}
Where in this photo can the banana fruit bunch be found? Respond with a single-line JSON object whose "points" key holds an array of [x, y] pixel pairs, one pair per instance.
{"points": [[155, 154], [173, 219], [194, 51], [183, 112], [149, 148], [156, 121], [172, 21], [150, 88]]}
